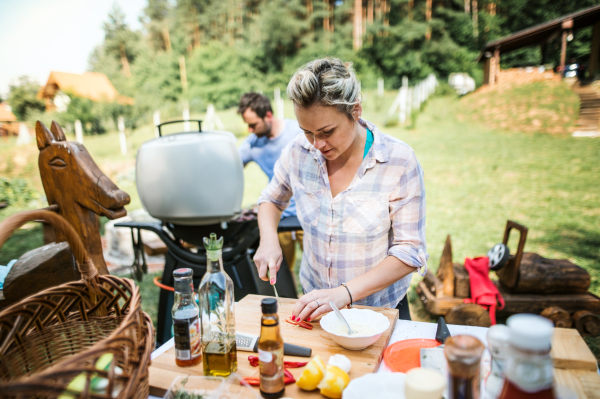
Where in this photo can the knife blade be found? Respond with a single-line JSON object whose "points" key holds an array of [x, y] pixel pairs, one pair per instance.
{"points": [[249, 343], [442, 332]]}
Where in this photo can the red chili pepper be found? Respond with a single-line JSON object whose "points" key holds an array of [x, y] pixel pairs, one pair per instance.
{"points": [[288, 377], [300, 323], [305, 325], [294, 365], [289, 365], [252, 381]]}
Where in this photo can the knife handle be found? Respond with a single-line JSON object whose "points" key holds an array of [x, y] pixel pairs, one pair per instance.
{"points": [[296, 350], [291, 350]]}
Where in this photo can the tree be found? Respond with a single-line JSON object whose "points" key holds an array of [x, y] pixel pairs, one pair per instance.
{"points": [[22, 97], [119, 41], [156, 21]]}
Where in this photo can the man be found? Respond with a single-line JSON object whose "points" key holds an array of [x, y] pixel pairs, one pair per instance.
{"points": [[268, 136]]}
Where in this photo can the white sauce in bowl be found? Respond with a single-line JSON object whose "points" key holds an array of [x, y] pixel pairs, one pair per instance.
{"points": [[341, 329]]}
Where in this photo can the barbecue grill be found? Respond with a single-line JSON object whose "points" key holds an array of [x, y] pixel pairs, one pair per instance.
{"points": [[193, 182]]}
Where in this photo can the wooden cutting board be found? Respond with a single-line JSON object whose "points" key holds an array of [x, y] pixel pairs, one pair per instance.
{"points": [[247, 320], [569, 351]]}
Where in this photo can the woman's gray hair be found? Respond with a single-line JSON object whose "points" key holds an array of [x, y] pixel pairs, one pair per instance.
{"points": [[328, 82]]}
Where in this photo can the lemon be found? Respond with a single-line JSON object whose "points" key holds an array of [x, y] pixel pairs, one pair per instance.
{"points": [[334, 382], [312, 374]]}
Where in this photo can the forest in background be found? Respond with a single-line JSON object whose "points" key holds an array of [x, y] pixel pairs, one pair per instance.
{"points": [[228, 47]]}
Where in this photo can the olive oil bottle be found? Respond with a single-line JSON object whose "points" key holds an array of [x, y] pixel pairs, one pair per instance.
{"points": [[219, 354], [270, 352]]}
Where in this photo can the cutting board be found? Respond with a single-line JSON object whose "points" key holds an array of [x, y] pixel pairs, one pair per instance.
{"points": [[247, 319], [569, 351]]}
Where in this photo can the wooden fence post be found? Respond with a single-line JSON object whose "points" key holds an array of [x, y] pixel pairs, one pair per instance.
{"points": [[78, 132], [122, 138], [156, 117]]}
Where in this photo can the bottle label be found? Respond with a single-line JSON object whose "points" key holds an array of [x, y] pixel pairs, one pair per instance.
{"points": [[188, 343], [530, 374], [264, 356], [270, 364]]}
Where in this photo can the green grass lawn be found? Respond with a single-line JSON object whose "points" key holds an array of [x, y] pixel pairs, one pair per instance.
{"points": [[477, 176]]}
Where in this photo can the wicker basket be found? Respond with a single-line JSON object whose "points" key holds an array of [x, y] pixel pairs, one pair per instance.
{"points": [[51, 342]]}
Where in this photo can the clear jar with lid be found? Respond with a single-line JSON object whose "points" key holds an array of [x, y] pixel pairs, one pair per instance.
{"points": [[463, 353], [528, 370], [498, 338]]}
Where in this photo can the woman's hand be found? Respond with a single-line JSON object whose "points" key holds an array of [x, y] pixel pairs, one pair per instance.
{"points": [[308, 309], [268, 257]]}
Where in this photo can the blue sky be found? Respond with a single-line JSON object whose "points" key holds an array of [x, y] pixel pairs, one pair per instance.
{"points": [[39, 36]]}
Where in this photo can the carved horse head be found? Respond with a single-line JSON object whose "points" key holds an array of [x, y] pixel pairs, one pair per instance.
{"points": [[73, 181]]}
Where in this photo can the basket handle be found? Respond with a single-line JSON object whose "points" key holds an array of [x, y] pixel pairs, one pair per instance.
{"points": [[84, 262]]}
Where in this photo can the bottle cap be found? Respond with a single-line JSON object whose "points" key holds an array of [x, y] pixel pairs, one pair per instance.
{"points": [[212, 244], [269, 305], [530, 331], [183, 273], [463, 353], [213, 247]]}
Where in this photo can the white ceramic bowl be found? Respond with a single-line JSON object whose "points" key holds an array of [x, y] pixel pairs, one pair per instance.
{"points": [[365, 317]]}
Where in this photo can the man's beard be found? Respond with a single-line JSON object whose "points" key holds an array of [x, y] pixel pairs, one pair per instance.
{"points": [[267, 131]]}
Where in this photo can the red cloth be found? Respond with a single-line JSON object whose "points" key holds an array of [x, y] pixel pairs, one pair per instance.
{"points": [[483, 291]]}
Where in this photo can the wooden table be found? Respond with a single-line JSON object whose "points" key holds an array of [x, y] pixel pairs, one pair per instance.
{"points": [[575, 365], [247, 319]]}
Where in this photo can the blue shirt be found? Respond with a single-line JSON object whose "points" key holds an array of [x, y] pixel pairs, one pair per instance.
{"points": [[265, 152], [369, 143]]}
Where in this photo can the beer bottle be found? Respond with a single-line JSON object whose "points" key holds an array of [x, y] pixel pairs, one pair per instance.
{"points": [[270, 352], [186, 326]]}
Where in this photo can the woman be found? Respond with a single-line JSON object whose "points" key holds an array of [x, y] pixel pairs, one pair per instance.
{"points": [[360, 200]]}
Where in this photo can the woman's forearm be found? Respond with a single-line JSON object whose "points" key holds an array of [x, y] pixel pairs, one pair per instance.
{"points": [[268, 220], [390, 270]]}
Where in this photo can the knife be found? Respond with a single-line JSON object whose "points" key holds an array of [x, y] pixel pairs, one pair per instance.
{"points": [[249, 343], [442, 332]]}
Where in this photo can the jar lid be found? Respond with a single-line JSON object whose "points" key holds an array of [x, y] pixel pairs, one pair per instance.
{"points": [[498, 338], [530, 331], [269, 305], [183, 272]]}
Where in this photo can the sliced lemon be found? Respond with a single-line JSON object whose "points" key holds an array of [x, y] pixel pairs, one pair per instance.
{"points": [[313, 374], [334, 382]]}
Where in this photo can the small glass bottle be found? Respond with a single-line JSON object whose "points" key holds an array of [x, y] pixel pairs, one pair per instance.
{"points": [[186, 326], [463, 353], [270, 352], [528, 370], [498, 338], [216, 298]]}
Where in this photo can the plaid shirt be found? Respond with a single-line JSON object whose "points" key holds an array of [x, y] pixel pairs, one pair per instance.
{"points": [[381, 213]]}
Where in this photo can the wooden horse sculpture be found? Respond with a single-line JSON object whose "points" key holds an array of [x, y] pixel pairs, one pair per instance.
{"points": [[74, 183]]}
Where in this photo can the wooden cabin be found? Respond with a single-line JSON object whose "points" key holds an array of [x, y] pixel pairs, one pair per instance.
{"points": [[8, 121], [92, 85]]}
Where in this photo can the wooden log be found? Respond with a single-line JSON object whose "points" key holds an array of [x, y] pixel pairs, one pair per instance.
{"points": [[536, 303], [38, 269], [446, 272], [434, 284], [539, 275], [587, 323], [462, 283], [560, 317], [434, 305], [468, 314], [509, 274], [155, 247]]}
